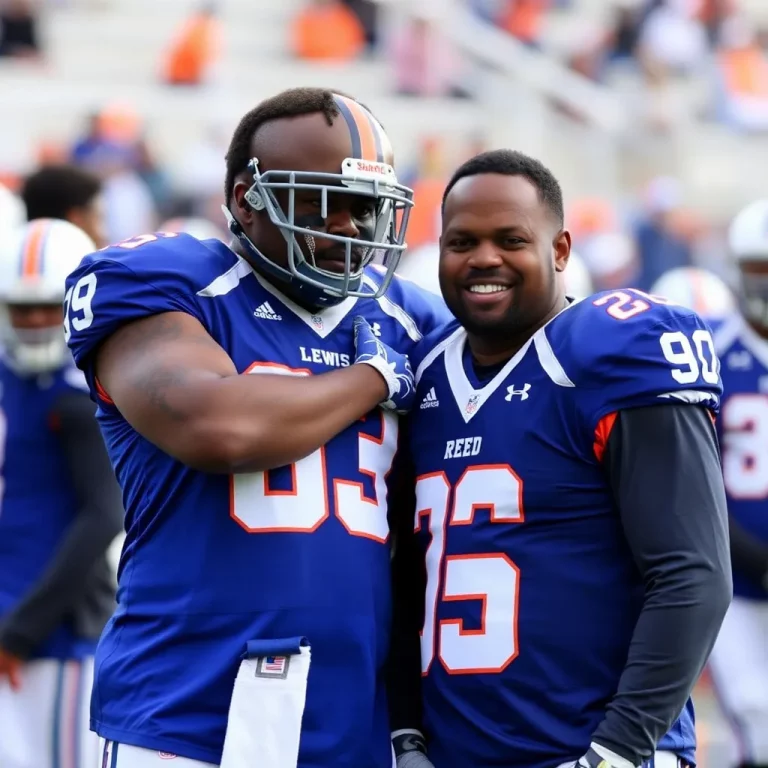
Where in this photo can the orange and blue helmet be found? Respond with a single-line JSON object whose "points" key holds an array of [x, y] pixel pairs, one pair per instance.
{"points": [[365, 173]]}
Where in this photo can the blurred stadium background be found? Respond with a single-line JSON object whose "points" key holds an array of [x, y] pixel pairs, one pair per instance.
{"points": [[652, 113]]}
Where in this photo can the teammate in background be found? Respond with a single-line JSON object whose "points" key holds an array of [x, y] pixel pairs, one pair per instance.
{"points": [[59, 512], [700, 290], [69, 193], [739, 662], [574, 583], [257, 529]]}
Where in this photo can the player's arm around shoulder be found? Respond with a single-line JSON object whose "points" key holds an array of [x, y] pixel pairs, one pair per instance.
{"points": [[135, 326]]}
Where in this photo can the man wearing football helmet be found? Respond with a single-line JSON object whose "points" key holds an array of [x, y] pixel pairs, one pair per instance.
{"points": [[61, 509], [239, 392], [739, 662]]}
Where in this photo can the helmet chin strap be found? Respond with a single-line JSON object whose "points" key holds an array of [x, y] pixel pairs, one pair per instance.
{"points": [[302, 294]]}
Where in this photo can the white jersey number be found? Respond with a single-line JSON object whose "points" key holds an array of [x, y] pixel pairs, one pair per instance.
{"points": [[77, 302], [745, 446], [306, 505], [490, 578], [692, 360]]}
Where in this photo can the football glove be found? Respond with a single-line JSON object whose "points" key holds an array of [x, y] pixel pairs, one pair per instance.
{"points": [[394, 367], [410, 749], [599, 756]]}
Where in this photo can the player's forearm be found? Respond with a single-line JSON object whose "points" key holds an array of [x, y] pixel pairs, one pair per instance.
{"points": [[250, 423], [664, 470]]}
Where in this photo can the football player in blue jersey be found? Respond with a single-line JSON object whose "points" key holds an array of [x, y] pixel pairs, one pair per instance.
{"points": [[60, 509], [739, 661], [570, 510], [238, 391]]}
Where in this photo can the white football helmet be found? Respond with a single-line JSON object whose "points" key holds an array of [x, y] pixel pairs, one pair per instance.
{"points": [[578, 281], [35, 260], [748, 244], [13, 213], [199, 228], [697, 289]]}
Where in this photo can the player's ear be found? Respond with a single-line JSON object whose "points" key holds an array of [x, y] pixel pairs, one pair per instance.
{"points": [[244, 212], [562, 249]]}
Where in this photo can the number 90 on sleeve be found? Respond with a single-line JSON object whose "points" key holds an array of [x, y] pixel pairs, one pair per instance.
{"points": [[693, 357], [78, 312]]}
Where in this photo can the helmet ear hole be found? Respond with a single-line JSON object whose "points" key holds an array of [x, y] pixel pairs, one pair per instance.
{"points": [[254, 200]]}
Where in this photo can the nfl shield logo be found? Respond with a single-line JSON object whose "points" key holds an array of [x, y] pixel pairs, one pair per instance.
{"points": [[317, 321], [472, 405]]}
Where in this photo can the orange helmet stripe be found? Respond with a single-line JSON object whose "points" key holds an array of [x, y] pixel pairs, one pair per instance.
{"points": [[365, 134], [32, 251]]}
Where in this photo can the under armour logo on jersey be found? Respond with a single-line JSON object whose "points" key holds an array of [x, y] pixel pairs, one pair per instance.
{"points": [[523, 393], [265, 312]]}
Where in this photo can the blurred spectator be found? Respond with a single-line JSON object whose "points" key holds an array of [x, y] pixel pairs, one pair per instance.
{"points": [[329, 30], [110, 137], [129, 205], [742, 77], [589, 216], [367, 12], [68, 193], [660, 237], [624, 33], [18, 29], [612, 260], [115, 143], [428, 186], [672, 39], [524, 19], [194, 49], [713, 13], [425, 64]]}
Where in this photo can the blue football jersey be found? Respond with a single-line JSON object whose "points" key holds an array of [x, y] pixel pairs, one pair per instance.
{"points": [[38, 502], [743, 430], [211, 562], [532, 592]]}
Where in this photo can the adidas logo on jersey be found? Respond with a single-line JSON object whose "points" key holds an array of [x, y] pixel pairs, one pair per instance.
{"points": [[430, 400], [265, 312]]}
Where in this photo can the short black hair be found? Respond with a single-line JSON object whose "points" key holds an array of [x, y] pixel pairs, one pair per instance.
{"points": [[290, 103], [508, 162], [53, 191]]}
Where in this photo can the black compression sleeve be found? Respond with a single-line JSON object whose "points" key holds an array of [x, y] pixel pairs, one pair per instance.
{"points": [[663, 466], [408, 587], [99, 520]]}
